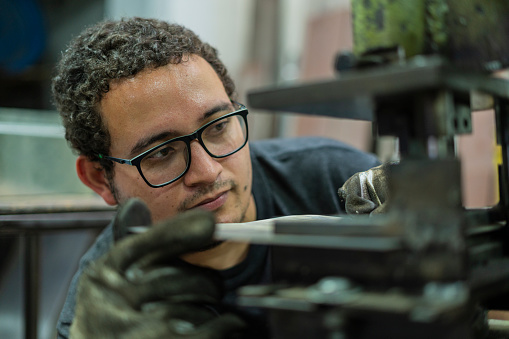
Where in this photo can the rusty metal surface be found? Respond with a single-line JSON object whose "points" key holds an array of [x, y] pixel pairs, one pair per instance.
{"points": [[426, 201], [478, 34], [471, 34], [53, 222], [52, 212], [380, 24], [51, 203]]}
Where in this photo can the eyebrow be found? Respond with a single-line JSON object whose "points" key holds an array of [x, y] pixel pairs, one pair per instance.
{"points": [[143, 143]]}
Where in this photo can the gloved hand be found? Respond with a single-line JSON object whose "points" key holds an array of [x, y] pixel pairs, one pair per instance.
{"points": [[139, 289], [366, 192]]}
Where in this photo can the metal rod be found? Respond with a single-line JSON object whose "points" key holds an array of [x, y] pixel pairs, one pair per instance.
{"points": [[53, 222], [31, 284], [502, 125]]}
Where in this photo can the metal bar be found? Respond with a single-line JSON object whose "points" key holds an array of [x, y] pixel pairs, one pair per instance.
{"points": [[502, 132], [468, 81], [346, 234], [53, 222], [31, 285], [353, 94], [353, 90]]}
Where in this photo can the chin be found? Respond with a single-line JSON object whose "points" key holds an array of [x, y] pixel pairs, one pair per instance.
{"points": [[227, 218]]}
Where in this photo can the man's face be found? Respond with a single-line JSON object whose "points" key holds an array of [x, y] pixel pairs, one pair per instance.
{"points": [[163, 103]]}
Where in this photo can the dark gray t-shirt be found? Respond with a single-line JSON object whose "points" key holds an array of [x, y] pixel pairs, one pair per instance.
{"points": [[290, 176]]}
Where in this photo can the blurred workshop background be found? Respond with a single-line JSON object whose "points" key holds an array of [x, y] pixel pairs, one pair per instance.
{"points": [[262, 42]]}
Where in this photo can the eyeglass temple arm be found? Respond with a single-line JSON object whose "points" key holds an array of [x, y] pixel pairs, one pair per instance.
{"points": [[119, 160], [240, 105]]}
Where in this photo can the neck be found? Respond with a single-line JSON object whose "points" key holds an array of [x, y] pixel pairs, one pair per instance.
{"points": [[221, 257], [228, 253]]}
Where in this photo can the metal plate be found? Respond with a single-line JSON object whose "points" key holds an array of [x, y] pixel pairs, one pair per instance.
{"points": [[354, 94]]}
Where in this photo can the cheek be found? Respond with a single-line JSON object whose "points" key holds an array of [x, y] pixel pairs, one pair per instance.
{"points": [[250, 175], [247, 173], [163, 202], [130, 184], [244, 173]]}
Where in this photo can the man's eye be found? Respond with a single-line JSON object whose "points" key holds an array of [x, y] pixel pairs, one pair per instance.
{"points": [[161, 153], [219, 126]]}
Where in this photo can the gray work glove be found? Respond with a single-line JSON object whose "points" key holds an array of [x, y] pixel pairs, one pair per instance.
{"points": [[366, 192], [139, 289]]}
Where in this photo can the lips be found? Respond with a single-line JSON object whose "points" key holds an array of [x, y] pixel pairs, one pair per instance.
{"points": [[213, 203]]}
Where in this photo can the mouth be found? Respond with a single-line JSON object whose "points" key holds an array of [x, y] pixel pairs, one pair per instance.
{"points": [[214, 202]]}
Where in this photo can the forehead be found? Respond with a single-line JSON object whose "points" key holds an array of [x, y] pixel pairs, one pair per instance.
{"points": [[168, 97], [191, 81]]}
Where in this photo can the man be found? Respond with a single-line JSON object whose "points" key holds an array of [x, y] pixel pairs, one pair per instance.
{"points": [[151, 111]]}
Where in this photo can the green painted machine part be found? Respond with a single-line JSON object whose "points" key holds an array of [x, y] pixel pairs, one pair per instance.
{"points": [[470, 34]]}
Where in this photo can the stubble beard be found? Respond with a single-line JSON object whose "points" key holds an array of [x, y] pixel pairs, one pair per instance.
{"points": [[120, 199], [205, 190], [215, 243]]}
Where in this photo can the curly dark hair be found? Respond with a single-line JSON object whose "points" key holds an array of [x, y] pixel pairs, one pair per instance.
{"points": [[113, 50]]}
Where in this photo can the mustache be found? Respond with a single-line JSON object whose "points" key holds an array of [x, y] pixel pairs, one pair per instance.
{"points": [[202, 191]]}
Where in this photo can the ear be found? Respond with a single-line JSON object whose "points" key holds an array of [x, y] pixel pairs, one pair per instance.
{"points": [[93, 176]]}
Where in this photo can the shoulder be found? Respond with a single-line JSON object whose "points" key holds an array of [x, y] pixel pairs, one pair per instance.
{"points": [[101, 245], [313, 150], [302, 175]]}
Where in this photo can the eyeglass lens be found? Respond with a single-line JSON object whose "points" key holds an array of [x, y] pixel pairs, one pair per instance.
{"points": [[169, 161]]}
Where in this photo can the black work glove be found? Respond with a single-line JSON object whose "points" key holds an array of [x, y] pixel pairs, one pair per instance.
{"points": [[139, 289], [366, 192]]}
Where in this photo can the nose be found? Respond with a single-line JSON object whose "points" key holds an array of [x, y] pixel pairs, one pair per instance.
{"points": [[204, 169]]}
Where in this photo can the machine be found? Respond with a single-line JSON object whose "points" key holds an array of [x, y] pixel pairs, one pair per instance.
{"points": [[428, 268]]}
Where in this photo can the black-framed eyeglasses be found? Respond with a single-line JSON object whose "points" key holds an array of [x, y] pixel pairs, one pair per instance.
{"points": [[169, 161]]}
